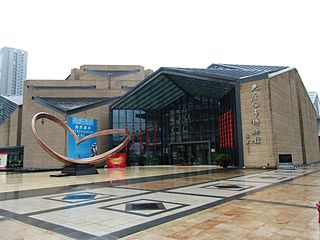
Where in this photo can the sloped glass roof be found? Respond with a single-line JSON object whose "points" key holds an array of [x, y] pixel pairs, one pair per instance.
{"points": [[15, 99], [7, 107], [166, 87], [168, 84]]}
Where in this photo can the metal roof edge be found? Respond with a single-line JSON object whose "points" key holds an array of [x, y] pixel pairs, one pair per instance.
{"points": [[270, 75], [177, 70], [264, 75], [9, 98], [257, 77], [48, 105], [44, 103], [92, 105]]}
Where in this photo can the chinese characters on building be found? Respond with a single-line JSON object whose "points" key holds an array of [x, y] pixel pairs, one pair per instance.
{"points": [[254, 101]]}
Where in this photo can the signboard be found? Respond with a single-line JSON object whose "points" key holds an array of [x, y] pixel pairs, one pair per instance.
{"points": [[82, 127], [254, 100], [3, 160], [117, 160]]}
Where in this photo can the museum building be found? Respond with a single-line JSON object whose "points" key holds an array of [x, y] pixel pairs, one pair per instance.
{"points": [[86, 93], [258, 115]]}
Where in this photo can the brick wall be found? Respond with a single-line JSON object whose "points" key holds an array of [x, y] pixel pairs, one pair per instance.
{"points": [[10, 130], [288, 121], [257, 155]]}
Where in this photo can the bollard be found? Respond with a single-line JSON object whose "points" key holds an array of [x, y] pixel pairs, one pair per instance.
{"points": [[318, 206]]}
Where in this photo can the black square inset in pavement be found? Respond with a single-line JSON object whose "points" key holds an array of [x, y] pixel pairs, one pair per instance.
{"points": [[145, 206]]}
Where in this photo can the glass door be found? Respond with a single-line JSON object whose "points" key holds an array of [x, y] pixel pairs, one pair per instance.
{"points": [[190, 154], [178, 154], [201, 152]]}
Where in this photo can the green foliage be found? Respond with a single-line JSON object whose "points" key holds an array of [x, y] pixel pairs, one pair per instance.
{"points": [[222, 159]]}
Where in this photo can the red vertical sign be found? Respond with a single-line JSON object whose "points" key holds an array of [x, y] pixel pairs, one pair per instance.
{"points": [[226, 130]]}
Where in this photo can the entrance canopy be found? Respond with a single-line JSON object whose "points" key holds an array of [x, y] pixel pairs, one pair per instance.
{"points": [[169, 84]]}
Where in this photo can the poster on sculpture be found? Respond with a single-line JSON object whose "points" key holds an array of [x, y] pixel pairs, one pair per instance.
{"points": [[82, 127]]}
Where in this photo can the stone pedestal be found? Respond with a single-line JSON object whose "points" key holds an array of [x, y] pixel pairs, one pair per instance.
{"points": [[79, 169]]}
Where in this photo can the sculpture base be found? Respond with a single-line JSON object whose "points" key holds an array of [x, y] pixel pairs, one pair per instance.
{"points": [[79, 169]]}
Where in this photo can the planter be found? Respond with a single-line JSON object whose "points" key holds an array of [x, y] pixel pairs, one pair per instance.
{"points": [[223, 159]]}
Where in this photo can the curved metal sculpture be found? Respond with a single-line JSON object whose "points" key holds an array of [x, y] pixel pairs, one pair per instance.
{"points": [[86, 161]]}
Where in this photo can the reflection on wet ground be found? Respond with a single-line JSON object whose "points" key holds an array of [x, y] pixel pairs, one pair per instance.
{"points": [[195, 203]]}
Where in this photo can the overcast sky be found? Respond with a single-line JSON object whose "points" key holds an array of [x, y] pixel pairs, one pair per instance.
{"points": [[63, 34]]}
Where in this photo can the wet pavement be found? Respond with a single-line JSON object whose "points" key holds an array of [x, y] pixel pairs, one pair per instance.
{"points": [[162, 202]]}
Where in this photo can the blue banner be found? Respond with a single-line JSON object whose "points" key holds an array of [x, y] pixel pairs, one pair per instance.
{"points": [[82, 127]]}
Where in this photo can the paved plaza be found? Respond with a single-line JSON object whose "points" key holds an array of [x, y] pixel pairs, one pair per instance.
{"points": [[162, 202]]}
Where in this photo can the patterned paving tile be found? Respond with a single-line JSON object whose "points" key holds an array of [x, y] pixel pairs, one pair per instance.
{"points": [[268, 177], [53, 201], [113, 217], [15, 230], [122, 207], [239, 220], [212, 189], [197, 207]]}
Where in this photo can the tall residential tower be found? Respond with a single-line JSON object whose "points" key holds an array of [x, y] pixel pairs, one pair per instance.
{"points": [[13, 71]]}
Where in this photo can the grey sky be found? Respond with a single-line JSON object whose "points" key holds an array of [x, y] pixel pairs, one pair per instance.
{"points": [[64, 34]]}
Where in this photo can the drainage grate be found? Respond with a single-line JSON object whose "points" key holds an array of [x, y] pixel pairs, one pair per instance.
{"points": [[228, 186], [144, 206], [80, 196]]}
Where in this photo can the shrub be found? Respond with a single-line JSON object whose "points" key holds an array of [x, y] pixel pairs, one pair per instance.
{"points": [[222, 159]]}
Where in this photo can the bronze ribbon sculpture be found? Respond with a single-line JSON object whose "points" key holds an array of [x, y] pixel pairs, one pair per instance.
{"points": [[87, 161]]}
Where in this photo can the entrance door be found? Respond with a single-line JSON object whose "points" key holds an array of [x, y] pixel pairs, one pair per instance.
{"points": [[190, 154], [201, 152], [178, 154]]}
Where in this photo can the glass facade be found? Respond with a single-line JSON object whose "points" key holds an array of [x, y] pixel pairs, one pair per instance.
{"points": [[187, 132]]}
